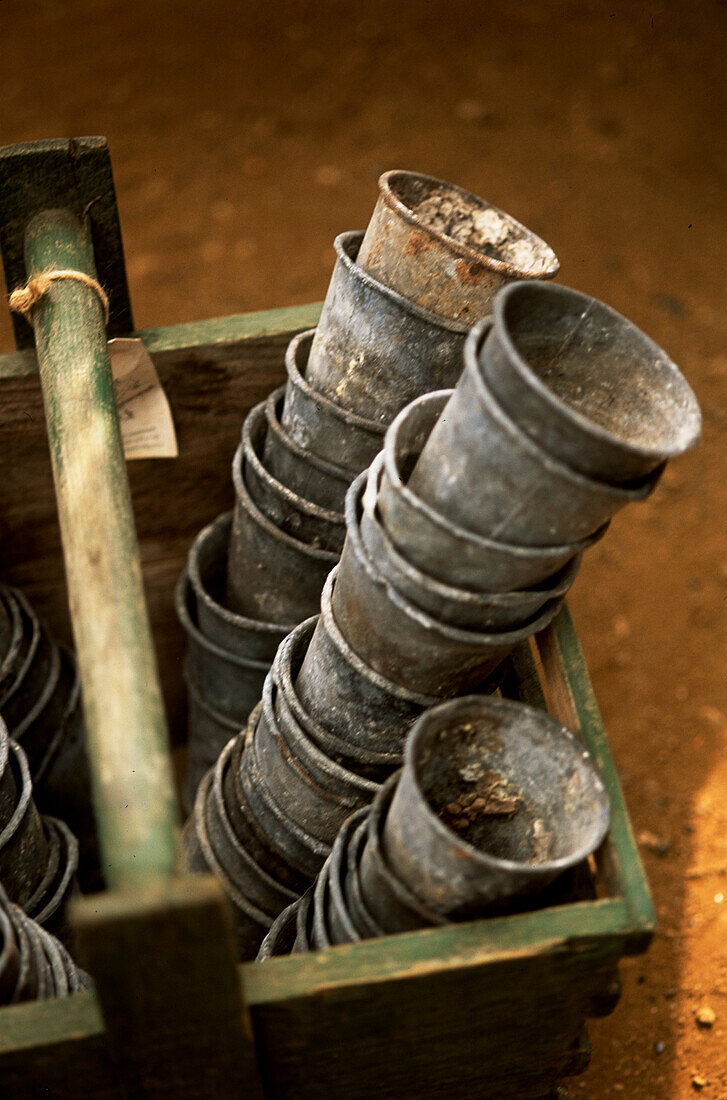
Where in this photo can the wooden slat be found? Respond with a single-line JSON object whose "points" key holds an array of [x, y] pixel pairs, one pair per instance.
{"points": [[572, 695]]}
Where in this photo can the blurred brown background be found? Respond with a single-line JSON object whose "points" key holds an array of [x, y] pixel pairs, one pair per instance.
{"points": [[244, 137]]}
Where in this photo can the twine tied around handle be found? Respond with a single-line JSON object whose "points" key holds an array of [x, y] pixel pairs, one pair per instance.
{"points": [[23, 299]]}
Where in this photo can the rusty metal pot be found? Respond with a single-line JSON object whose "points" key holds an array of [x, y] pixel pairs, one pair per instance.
{"points": [[342, 925], [586, 384], [541, 807], [23, 846], [249, 876], [207, 571], [244, 824], [251, 923], [301, 850], [13, 635], [483, 473], [208, 732], [291, 513], [271, 575], [374, 350], [316, 479], [320, 425], [448, 276], [433, 543], [364, 921]]}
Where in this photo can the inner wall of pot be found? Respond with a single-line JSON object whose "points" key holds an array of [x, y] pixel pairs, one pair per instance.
{"points": [[602, 367], [524, 774]]}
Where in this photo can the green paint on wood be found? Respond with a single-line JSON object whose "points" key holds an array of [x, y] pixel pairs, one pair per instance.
{"points": [[129, 757]]}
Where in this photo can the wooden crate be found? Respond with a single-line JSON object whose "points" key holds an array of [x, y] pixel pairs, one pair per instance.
{"points": [[491, 1008]]}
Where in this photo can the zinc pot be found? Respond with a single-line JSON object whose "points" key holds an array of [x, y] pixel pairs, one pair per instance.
{"points": [[480, 471], [434, 543], [536, 805], [586, 384]]}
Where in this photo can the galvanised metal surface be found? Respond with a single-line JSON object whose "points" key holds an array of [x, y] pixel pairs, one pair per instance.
{"points": [[441, 274], [291, 513], [289, 712], [396, 639], [450, 604], [281, 936], [304, 852], [207, 572], [270, 575], [250, 922], [34, 965], [586, 384], [246, 826], [556, 812], [250, 877], [319, 424], [433, 543], [208, 732], [348, 697], [482, 472], [228, 684], [23, 840], [317, 793], [391, 902], [316, 479], [374, 350]]}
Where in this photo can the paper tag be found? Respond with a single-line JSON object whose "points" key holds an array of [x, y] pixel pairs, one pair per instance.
{"points": [[147, 428]]}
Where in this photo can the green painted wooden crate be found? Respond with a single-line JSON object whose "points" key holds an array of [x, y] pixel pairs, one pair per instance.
{"points": [[492, 1008]]}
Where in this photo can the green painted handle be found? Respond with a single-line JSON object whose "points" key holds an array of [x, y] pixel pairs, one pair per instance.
{"points": [[131, 770]]}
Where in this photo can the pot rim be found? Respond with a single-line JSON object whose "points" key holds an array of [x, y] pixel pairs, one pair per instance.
{"points": [[486, 702], [182, 592], [297, 378], [468, 252], [352, 658], [388, 460], [201, 592], [501, 325], [427, 622], [565, 575], [256, 416], [273, 402], [347, 246], [634, 490], [261, 520]]}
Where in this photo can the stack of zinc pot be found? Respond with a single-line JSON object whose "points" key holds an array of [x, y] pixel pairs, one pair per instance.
{"points": [[38, 854], [423, 607], [40, 702], [34, 965], [496, 801], [400, 301]]}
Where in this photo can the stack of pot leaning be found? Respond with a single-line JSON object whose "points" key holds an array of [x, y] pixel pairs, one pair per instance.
{"points": [[462, 539], [495, 802], [40, 703], [401, 300], [38, 863]]}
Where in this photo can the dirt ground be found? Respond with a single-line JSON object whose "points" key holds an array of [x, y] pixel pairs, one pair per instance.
{"points": [[246, 136]]}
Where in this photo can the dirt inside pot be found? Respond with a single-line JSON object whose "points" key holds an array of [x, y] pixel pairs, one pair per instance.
{"points": [[481, 227], [480, 803]]}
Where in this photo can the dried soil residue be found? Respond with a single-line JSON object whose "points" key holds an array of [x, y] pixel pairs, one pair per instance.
{"points": [[482, 228], [491, 815]]}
